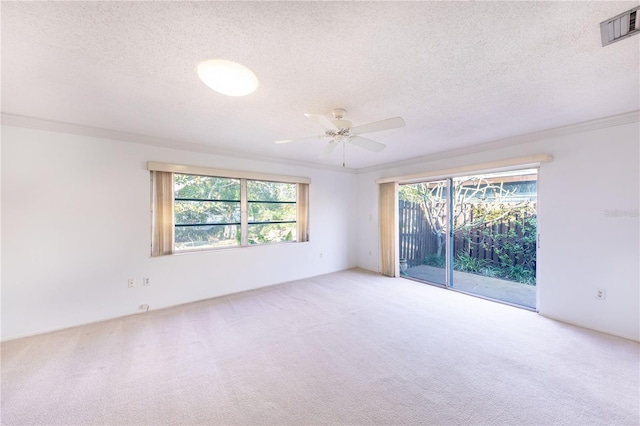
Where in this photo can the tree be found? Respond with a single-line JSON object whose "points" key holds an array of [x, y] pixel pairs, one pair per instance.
{"points": [[271, 202], [431, 196], [224, 208], [212, 205], [478, 202]]}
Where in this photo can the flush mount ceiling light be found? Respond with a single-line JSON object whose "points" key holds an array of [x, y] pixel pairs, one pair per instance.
{"points": [[227, 77]]}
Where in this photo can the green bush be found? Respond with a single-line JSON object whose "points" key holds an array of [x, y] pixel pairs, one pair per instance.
{"points": [[520, 274], [513, 250], [465, 263], [435, 260]]}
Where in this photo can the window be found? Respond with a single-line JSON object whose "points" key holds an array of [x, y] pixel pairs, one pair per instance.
{"points": [[272, 212], [199, 209], [207, 212]]}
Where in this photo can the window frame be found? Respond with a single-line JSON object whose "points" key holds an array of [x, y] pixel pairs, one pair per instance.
{"points": [[301, 205], [205, 201], [248, 201]]}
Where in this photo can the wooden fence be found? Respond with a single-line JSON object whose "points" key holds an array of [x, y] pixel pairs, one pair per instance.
{"points": [[418, 241]]}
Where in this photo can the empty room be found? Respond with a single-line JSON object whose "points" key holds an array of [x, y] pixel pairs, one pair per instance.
{"points": [[301, 213]]}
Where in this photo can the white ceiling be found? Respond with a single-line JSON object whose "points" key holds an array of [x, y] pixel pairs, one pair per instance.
{"points": [[459, 73]]}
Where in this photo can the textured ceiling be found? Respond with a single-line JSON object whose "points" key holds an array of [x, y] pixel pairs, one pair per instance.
{"points": [[459, 73]]}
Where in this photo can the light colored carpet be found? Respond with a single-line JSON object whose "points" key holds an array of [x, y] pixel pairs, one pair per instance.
{"points": [[345, 348]]}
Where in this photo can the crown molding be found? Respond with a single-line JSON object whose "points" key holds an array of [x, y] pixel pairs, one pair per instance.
{"points": [[585, 126], [62, 127], [76, 129]]}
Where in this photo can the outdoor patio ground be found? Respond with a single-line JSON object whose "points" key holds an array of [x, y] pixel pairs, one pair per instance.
{"points": [[494, 288]]}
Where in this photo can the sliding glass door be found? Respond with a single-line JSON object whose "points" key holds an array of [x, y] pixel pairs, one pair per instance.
{"points": [[475, 234], [423, 231]]}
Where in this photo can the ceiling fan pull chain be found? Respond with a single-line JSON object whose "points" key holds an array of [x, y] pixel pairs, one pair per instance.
{"points": [[343, 153]]}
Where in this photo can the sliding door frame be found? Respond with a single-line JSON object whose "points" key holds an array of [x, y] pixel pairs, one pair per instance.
{"points": [[449, 239]]}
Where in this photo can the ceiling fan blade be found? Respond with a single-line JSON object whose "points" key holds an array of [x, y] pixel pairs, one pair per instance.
{"points": [[307, 138], [376, 126], [329, 149], [368, 144], [323, 121]]}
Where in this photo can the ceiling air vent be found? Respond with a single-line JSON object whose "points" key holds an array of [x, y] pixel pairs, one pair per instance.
{"points": [[620, 27]]}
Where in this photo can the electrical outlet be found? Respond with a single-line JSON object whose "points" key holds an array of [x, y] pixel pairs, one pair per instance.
{"points": [[131, 283], [601, 294], [146, 281]]}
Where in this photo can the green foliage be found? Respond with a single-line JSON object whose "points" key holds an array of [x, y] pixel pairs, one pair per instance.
{"points": [[271, 202], [519, 273], [423, 192], [219, 212], [214, 203], [511, 234], [224, 194], [491, 216], [271, 191], [199, 236], [271, 233], [435, 260], [206, 187], [522, 244], [210, 212], [465, 263], [270, 212]]}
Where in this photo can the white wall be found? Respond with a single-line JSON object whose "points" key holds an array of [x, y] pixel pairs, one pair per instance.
{"points": [[583, 248], [76, 226]]}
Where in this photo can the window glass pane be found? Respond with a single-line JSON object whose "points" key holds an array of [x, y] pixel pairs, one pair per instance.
{"points": [[268, 204], [199, 237], [201, 212], [481, 239], [195, 205], [495, 236], [206, 187], [270, 191], [423, 231], [271, 212], [271, 233], [207, 212]]}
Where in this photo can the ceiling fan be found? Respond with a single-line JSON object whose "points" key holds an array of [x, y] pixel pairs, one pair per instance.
{"points": [[340, 130]]}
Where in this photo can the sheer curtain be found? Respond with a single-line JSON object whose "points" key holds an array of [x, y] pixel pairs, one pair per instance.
{"points": [[303, 212], [162, 213], [388, 216]]}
